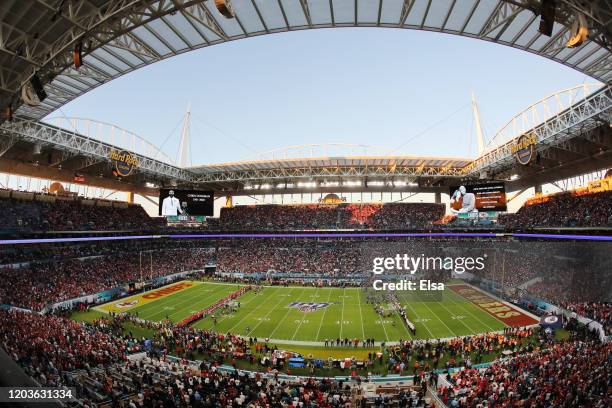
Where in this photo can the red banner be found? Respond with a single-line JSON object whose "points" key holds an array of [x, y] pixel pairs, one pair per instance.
{"points": [[509, 315]]}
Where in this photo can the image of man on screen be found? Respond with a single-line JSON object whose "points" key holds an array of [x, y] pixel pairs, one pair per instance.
{"points": [[466, 201], [171, 205]]}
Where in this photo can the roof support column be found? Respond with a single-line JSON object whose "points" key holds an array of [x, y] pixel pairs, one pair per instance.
{"points": [[538, 189]]}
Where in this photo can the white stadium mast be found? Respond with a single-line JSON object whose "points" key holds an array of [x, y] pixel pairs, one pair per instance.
{"points": [[479, 133], [184, 153]]}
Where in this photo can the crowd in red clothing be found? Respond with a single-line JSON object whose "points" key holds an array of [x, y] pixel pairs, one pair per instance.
{"points": [[38, 284], [71, 215], [560, 210], [253, 257], [399, 216], [597, 311], [563, 210], [417, 356], [574, 374], [60, 276], [286, 217], [47, 345], [93, 358]]}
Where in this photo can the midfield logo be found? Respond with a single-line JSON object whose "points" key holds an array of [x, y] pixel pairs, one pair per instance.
{"points": [[307, 307]]}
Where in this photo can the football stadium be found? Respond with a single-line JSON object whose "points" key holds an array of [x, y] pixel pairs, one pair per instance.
{"points": [[468, 267]]}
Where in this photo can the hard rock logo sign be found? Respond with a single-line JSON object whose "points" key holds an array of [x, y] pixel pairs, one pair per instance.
{"points": [[125, 162], [524, 148]]}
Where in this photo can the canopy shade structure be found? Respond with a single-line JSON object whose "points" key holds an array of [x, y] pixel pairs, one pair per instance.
{"points": [[45, 39]]}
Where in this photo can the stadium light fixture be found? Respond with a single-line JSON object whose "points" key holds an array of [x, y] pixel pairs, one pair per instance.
{"points": [[225, 8], [352, 183]]}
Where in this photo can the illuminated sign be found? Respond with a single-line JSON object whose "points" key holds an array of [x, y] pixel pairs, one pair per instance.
{"points": [[524, 148], [125, 162]]}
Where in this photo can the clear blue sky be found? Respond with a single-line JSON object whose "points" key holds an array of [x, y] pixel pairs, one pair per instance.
{"points": [[379, 87]]}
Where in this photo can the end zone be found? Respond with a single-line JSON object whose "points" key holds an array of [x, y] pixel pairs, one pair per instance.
{"points": [[501, 310], [128, 303]]}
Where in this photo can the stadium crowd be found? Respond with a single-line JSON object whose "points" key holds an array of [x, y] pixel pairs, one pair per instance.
{"points": [[41, 283], [107, 363], [600, 312], [305, 258], [372, 216], [575, 279], [71, 215], [68, 271], [417, 355], [55, 214], [563, 210], [94, 358], [573, 374]]}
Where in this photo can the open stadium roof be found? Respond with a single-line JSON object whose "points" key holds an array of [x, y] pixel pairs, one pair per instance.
{"points": [[38, 37]]}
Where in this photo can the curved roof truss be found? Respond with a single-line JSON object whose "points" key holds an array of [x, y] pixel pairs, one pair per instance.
{"points": [[120, 36]]}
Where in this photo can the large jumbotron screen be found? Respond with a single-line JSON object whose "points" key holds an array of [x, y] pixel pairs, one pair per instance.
{"points": [[481, 197], [174, 202]]}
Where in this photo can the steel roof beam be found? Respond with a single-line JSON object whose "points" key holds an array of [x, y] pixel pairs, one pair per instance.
{"points": [[72, 143]]}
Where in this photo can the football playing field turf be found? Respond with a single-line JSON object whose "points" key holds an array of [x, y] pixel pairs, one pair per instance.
{"points": [[332, 313]]}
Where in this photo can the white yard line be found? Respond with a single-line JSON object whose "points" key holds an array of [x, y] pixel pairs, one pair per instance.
{"points": [[251, 312], [342, 317], [438, 317], [382, 323], [361, 314], [510, 305], [269, 312], [303, 317], [418, 317], [227, 316], [324, 313], [281, 321], [460, 304], [178, 306], [472, 331]]}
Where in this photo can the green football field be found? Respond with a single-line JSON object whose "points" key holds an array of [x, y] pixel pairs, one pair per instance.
{"points": [[344, 313]]}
